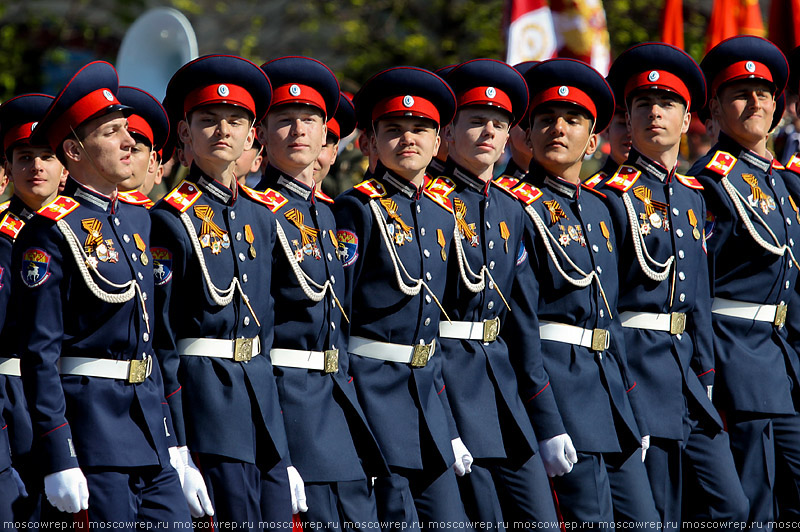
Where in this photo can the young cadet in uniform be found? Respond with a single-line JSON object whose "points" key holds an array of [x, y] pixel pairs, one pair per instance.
{"points": [[664, 300], [101, 432], [340, 125], [521, 155], [593, 448], [395, 241], [35, 172], [751, 228], [212, 246], [619, 139], [149, 127], [329, 439], [481, 382]]}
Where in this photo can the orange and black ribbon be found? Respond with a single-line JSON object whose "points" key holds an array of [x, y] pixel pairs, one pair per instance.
{"points": [[650, 206], [755, 189], [556, 212], [95, 236], [460, 209], [391, 209], [206, 214], [307, 234]]}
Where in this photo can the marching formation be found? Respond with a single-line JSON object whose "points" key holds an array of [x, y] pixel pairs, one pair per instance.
{"points": [[443, 345]]}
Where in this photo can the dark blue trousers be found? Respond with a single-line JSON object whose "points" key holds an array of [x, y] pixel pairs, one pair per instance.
{"points": [[8, 493], [336, 506]]}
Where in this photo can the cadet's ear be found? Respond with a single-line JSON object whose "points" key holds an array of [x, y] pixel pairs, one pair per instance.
{"points": [[591, 146], [183, 132], [261, 132], [72, 150], [448, 133]]}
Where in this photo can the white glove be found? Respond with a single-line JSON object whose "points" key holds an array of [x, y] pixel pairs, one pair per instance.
{"points": [[463, 463], [558, 455], [645, 445], [298, 489], [194, 487], [67, 490], [20, 485]]}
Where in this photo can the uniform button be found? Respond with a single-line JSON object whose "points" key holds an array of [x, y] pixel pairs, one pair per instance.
{"points": [[241, 257], [602, 313], [146, 337], [595, 248], [773, 181], [427, 298], [788, 221], [670, 191], [427, 321], [675, 211], [787, 285], [490, 306], [428, 275], [330, 257], [782, 201], [126, 238], [233, 215], [244, 277], [682, 298], [488, 225], [491, 265], [589, 227], [679, 232], [679, 337], [580, 207], [246, 321], [599, 269], [422, 231], [333, 326], [491, 285], [116, 221], [681, 276], [419, 208], [791, 241], [134, 257], [144, 296], [491, 244], [426, 253], [333, 279], [239, 235], [141, 277], [681, 254]]}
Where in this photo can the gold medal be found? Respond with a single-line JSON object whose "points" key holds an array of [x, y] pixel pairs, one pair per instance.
{"points": [[504, 234], [211, 235], [140, 245], [440, 239], [606, 235], [693, 222], [655, 220], [794, 206], [250, 237]]}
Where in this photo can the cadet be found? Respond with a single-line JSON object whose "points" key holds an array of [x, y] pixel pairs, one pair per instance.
{"points": [[340, 125], [329, 440], [664, 301], [212, 247], [395, 241], [520, 152], [619, 140], [750, 230], [36, 173], [101, 432], [481, 384], [593, 448], [149, 127]]}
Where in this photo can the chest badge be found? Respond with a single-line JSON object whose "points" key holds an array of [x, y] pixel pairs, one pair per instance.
{"points": [[250, 238], [103, 248], [308, 236], [655, 212], [399, 230], [140, 245], [606, 235], [211, 235], [504, 234], [757, 197], [693, 221], [556, 212], [466, 229]]}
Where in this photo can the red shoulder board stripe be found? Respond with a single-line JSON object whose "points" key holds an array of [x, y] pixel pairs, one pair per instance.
{"points": [[595, 180], [322, 196], [134, 197], [506, 181], [689, 181], [438, 189], [777, 165], [624, 178], [4, 205], [11, 225], [721, 163], [58, 208], [372, 188], [527, 193], [794, 163], [183, 196], [584, 186], [273, 199]]}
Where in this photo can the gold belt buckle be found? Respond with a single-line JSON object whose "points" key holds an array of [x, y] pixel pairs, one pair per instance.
{"points": [[491, 328], [780, 315], [677, 323], [422, 353], [243, 350], [600, 339], [331, 360], [138, 370]]}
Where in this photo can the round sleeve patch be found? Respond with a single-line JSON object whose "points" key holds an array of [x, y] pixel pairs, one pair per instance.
{"points": [[348, 247], [162, 265], [35, 267]]}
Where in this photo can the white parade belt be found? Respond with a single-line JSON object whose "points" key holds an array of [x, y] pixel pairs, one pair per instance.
{"points": [[774, 314], [673, 323], [594, 339], [485, 330], [327, 361], [133, 371], [416, 355], [240, 350], [9, 366]]}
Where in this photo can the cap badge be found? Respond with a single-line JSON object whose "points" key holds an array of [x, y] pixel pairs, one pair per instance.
{"points": [[563, 90], [408, 101], [223, 90], [491, 92], [653, 76], [750, 66], [107, 95], [294, 90]]}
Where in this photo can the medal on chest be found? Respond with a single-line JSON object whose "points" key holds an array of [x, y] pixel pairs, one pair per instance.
{"points": [[466, 229], [569, 233], [693, 222], [606, 235], [308, 237], [794, 207], [399, 231], [655, 212], [758, 198], [211, 235], [103, 248], [140, 245], [505, 234]]}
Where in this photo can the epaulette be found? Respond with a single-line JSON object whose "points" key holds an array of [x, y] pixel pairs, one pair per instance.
{"points": [[4, 205], [58, 208], [721, 163], [11, 225], [438, 189], [794, 163], [526, 193], [273, 199], [134, 197], [689, 181], [624, 178], [595, 180], [372, 188], [183, 196], [506, 184], [584, 186], [777, 165], [320, 195]]}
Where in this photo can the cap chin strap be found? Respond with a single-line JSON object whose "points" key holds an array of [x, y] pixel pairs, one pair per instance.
{"points": [[88, 155]]}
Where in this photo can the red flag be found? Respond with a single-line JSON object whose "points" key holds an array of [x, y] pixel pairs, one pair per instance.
{"points": [[723, 22], [749, 20], [784, 24], [530, 34], [582, 32], [672, 23]]}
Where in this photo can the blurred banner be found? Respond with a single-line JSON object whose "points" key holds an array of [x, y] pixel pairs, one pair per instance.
{"points": [[734, 17], [672, 23], [784, 24], [530, 33]]}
